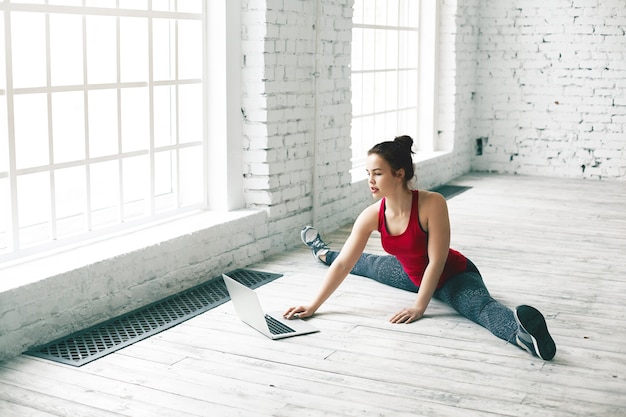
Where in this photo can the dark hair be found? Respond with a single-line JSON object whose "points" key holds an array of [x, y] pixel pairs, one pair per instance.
{"points": [[397, 153]]}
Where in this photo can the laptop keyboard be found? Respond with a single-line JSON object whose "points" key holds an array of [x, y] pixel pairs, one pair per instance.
{"points": [[276, 327]]}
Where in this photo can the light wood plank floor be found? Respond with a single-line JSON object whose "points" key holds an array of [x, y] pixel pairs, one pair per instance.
{"points": [[556, 244]]}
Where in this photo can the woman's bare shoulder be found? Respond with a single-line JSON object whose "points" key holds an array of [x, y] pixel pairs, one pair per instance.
{"points": [[431, 197], [431, 204], [369, 216]]}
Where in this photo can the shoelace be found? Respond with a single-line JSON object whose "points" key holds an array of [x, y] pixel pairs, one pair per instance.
{"points": [[318, 244]]}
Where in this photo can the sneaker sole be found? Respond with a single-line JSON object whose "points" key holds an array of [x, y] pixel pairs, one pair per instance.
{"points": [[532, 321], [521, 344], [303, 234]]}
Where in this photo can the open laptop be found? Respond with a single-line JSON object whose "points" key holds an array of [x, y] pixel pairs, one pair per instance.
{"points": [[273, 325]]}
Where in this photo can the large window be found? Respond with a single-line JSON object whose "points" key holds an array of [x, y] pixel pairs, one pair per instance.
{"points": [[393, 83], [100, 116]]}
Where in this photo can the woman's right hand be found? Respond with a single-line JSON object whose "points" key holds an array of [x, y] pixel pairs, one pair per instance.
{"points": [[299, 312]]}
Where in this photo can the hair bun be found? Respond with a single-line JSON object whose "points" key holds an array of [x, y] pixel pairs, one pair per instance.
{"points": [[405, 142]]}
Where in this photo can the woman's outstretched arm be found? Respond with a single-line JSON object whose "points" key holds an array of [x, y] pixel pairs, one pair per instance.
{"points": [[437, 224], [343, 264]]}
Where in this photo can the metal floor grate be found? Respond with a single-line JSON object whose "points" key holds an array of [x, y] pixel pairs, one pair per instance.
{"points": [[95, 342], [449, 191]]}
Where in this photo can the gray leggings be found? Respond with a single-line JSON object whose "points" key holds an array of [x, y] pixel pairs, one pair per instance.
{"points": [[465, 292]]}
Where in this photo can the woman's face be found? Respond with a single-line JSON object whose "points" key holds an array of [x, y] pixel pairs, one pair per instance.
{"points": [[381, 178]]}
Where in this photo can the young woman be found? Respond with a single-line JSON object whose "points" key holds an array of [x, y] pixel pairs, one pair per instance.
{"points": [[415, 229]]}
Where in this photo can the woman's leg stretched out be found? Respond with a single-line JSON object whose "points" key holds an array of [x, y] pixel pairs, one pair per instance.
{"points": [[385, 269], [466, 293]]}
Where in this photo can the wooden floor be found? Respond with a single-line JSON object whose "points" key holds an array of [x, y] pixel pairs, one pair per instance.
{"points": [[559, 245]]}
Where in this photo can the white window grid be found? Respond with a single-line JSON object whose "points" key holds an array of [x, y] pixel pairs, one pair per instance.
{"points": [[385, 46], [112, 138]]}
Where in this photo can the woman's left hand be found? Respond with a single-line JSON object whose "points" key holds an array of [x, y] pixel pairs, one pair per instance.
{"points": [[407, 315]]}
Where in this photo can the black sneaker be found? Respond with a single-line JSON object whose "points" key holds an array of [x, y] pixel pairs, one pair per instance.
{"points": [[312, 239], [533, 335]]}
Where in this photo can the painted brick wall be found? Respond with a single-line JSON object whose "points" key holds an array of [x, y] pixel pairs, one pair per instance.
{"points": [[551, 87], [297, 113], [458, 45]]}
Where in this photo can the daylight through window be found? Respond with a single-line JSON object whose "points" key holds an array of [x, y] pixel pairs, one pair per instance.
{"points": [[101, 116], [393, 76]]}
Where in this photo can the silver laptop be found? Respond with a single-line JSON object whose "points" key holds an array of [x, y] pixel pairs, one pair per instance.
{"points": [[273, 325]]}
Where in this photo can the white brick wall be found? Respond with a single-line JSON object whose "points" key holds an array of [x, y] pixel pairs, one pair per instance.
{"points": [[551, 77], [297, 127]]}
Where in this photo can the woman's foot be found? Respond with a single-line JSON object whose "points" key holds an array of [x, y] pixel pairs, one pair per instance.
{"points": [[312, 239], [533, 335]]}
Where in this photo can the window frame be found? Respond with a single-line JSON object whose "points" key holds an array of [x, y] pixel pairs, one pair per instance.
{"points": [[425, 128], [222, 130]]}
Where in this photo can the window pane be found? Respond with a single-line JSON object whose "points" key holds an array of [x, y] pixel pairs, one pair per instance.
{"points": [[367, 141], [5, 213], [357, 93], [29, 1], [136, 185], [100, 3], [4, 137], [391, 50], [391, 121], [187, 6], [190, 6], [103, 137], [407, 46], [29, 60], [31, 130], [406, 122], [163, 49], [134, 49], [163, 5], [392, 12], [369, 41], [101, 49], [66, 49], [135, 4], [380, 92], [191, 176], [135, 122], [379, 54], [357, 134], [164, 116], [368, 93], [408, 92], [380, 14], [380, 130], [189, 49], [70, 200], [357, 12], [391, 80], [66, 2], [68, 126], [3, 84], [105, 191], [357, 49], [165, 180], [369, 12], [409, 13], [190, 115], [33, 202]]}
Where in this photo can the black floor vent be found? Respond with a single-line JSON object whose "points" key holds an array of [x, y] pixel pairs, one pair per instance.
{"points": [[449, 191], [95, 342]]}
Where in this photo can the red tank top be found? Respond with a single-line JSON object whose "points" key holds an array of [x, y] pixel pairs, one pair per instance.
{"points": [[411, 247]]}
